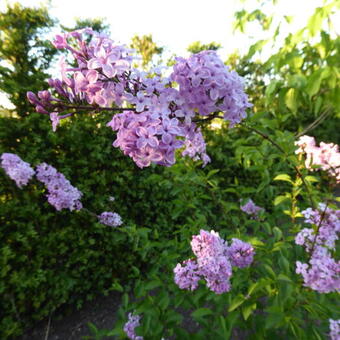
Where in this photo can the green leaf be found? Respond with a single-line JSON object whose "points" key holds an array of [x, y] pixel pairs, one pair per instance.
{"points": [[270, 271], [236, 302], [283, 177], [247, 310], [315, 22], [277, 233], [153, 284], [200, 312], [279, 199], [291, 99], [311, 179], [314, 81], [212, 172], [274, 320], [284, 278]]}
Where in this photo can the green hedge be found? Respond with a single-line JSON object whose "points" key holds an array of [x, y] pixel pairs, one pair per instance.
{"points": [[50, 258]]}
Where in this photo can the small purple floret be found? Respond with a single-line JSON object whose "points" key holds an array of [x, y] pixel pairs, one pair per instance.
{"points": [[110, 219]]}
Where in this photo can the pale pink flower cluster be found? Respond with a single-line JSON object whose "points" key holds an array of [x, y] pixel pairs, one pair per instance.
{"points": [[334, 327], [326, 156], [131, 324], [213, 263], [322, 272], [18, 170], [159, 116]]}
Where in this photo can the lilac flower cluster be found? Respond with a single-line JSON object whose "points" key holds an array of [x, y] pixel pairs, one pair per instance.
{"points": [[110, 219], [18, 170], [334, 326], [61, 194], [213, 263], [131, 324], [251, 209], [322, 273], [326, 156], [207, 85], [160, 118]]}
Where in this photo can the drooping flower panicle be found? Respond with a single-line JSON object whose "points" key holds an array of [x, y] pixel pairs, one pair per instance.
{"points": [[18, 170], [213, 263], [61, 194], [131, 324], [322, 272]]}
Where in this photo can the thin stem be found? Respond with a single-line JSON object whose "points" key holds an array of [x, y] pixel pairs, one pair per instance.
{"points": [[314, 124], [208, 119], [48, 328], [318, 228], [90, 212], [297, 170], [96, 109]]}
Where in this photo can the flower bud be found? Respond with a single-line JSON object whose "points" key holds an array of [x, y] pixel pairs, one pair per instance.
{"points": [[40, 109], [32, 98]]}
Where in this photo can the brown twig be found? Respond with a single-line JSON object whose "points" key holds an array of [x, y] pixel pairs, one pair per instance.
{"points": [[48, 328], [318, 228], [315, 123]]}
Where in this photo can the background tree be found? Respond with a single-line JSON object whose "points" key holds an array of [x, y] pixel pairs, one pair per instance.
{"points": [[24, 55], [197, 47], [98, 25], [298, 83], [146, 47]]}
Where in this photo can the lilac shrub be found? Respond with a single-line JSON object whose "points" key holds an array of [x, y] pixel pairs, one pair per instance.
{"points": [[18, 170], [322, 272], [157, 117], [213, 263], [160, 114]]}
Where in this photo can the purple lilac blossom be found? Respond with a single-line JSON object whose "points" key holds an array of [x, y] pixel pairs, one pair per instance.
{"points": [[322, 272], [18, 170], [326, 156], [187, 275], [214, 262], [334, 327], [241, 253], [207, 85], [131, 324], [251, 208], [110, 219], [61, 194], [162, 118]]}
